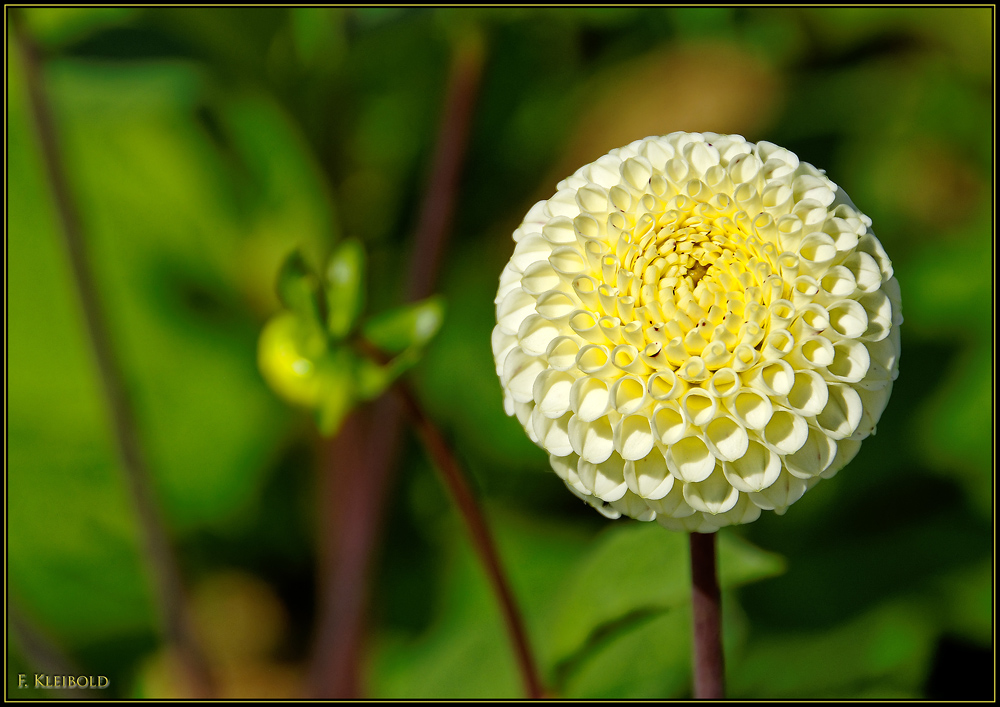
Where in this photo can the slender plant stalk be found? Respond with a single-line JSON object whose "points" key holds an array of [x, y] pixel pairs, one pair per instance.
{"points": [[482, 540], [354, 489], [159, 554], [438, 207], [474, 518], [359, 463], [706, 607]]}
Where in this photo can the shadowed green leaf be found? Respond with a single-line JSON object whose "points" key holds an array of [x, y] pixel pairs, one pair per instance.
{"points": [[649, 658], [298, 287], [641, 567], [466, 652], [883, 653]]}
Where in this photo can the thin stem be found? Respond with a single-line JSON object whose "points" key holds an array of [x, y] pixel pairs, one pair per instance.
{"points": [[158, 551], [438, 207], [358, 464], [333, 670], [482, 540], [706, 607], [435, 220], [354, 489]]}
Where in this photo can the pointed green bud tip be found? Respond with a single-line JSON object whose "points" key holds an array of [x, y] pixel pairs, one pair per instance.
{"points": [[298, 287], [412, 325], [345, 287]]}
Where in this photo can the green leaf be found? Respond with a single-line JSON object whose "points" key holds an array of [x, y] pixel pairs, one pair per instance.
{"points": [[741, 562], [466, 652], [412, 325], [403, 331], [345, 287], [169, 245], [640, 569], [74, 557], [883, 653], [298, 287], [650, 658]]}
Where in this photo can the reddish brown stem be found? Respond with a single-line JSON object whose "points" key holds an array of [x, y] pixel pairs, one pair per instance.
{"points": [[438, 207], [355, 488], [482, 539], [158, 551], [706, 608], [358, 467]]}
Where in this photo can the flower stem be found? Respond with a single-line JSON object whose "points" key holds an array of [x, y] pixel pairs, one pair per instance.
{"points": [[166, 576], [482, 540], [706, 607]]}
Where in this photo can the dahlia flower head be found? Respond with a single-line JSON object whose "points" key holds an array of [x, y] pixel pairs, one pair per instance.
{"points": [[697, 328]]}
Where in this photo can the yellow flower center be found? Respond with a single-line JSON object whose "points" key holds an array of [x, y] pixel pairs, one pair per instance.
{"points": [[688, 279]]}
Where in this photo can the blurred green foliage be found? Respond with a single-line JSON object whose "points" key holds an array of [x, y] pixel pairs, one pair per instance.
{"points": [[205, 144]]}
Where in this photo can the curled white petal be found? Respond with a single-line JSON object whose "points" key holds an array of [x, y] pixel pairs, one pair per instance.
{"points": [[520, 371], [634, 507], [551, 392], [589, 398], [777, 497], [539, 277], [552, 434], [690, 459], [712, 495], [535, 334], [785, 432], [726, 438], [605, 480], [809, 394], [628, 395], [633, 437], [669, 423], [672, 504], [755, 470], [814, 457], [648, 477], [842, 414], [592, 440], [752, 408]]}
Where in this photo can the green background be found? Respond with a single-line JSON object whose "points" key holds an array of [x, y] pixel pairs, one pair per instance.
{"points": [[202, 145]]}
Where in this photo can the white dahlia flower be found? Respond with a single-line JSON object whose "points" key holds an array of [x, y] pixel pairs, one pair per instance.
{"points": [[697, 328]]}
